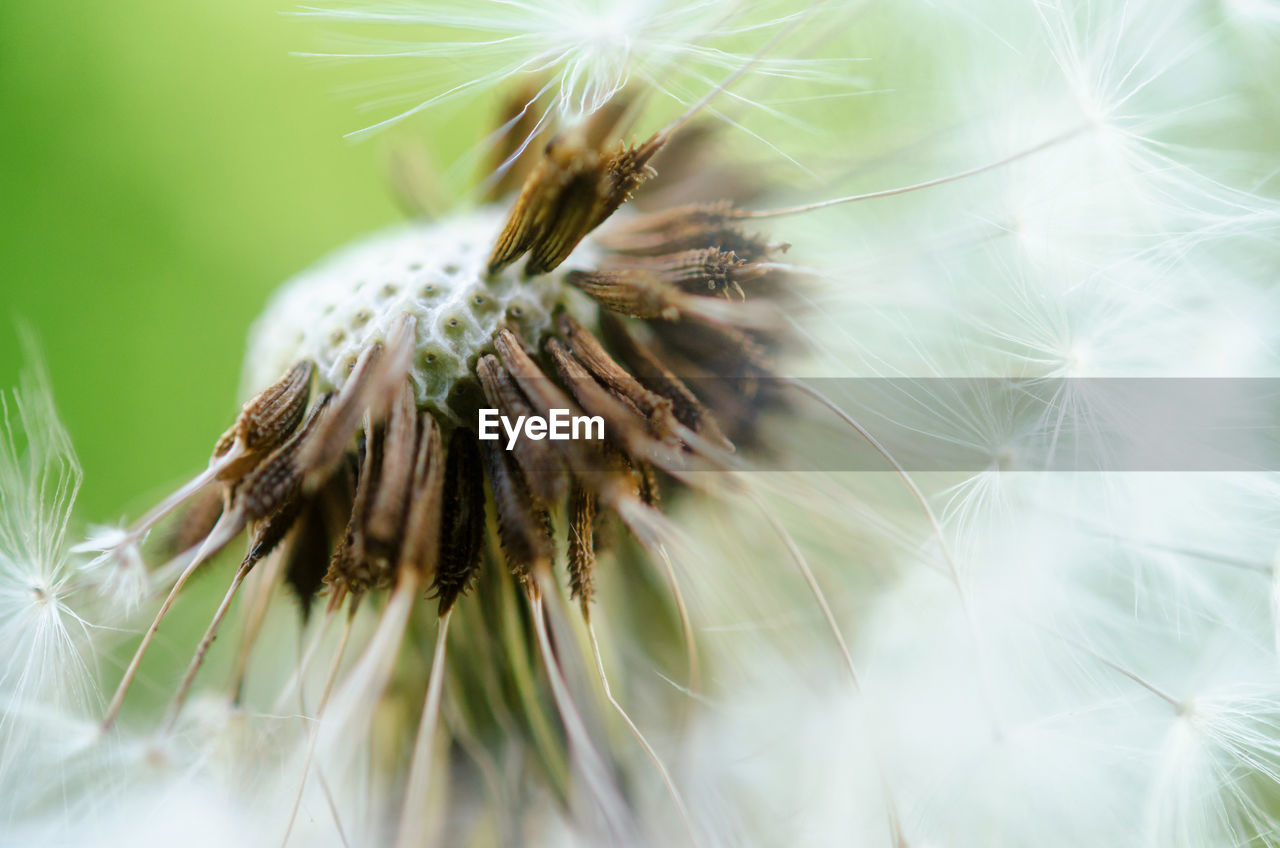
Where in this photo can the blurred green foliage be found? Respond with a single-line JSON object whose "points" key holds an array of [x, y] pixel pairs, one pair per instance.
{"points": [[165, 166]]}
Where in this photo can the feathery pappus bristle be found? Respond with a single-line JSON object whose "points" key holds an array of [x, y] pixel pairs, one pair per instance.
{"points": [[47, 619]]}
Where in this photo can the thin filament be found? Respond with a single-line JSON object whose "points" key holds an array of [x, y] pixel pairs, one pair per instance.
{"points": [[892, 192], [644, 743], [413, 812]]}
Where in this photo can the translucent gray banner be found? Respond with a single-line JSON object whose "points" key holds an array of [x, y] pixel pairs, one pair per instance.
{"points": [[974, 424], [979, 424], [983, 424]]}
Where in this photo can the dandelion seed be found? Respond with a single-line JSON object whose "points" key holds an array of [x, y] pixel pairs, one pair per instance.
{"points": [[48, 662]]}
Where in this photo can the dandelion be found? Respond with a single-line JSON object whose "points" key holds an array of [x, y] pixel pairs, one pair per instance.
{"points": [[439, 638], [361, 476]]}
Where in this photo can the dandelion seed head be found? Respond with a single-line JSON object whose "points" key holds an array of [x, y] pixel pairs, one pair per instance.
{"points": [[359, 470]]}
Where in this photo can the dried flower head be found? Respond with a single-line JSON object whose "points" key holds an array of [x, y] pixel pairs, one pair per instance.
{"points": [[358, 472]]}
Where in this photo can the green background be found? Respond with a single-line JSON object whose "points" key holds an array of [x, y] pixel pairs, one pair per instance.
{"points": [[166, 166]]}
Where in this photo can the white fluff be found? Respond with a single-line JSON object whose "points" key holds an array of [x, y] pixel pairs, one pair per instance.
{"points": [[576, 54]]}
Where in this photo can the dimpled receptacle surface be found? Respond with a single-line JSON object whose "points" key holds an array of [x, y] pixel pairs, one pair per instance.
{"points": [[433, 271]]}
